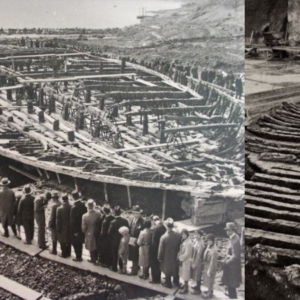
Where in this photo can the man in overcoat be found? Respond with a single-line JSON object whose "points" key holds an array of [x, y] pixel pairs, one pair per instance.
{"points": [[167, 254], [63, 227], [115, 236], [232, 273], [135, 227], [78, 209], [103, 241], [52, 222], [90, 223], [40, 204], [26, 212], [157, 232], [7, 200]]}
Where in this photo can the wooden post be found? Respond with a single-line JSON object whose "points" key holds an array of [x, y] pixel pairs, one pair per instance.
{"points": [[128, 118], [76, 184], [164, 205], [101, 68], [40, 172], [58, 178], [30, 107], [102, 103], [71, 136], [162, 132], [56, 125], [105, 192], [129, 197], [88, 96], [41, 116], [123, 65], [47, 174], [145, 125]]}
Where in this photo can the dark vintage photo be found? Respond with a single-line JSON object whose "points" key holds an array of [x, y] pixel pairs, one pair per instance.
{"points": [[122, 149], [272, 148]]}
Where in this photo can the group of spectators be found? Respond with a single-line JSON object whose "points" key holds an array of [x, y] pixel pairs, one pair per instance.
{"points": [[112, 240]]}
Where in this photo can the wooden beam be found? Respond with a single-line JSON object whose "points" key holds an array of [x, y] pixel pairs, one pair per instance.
{"points": [[75, 78], [164, 205], [76, 184], [41, 55], [195, 141], [151, 102], [40, 172], [24, 173], [193, 118], [164, 111], [58, 178], [105, 192], [129, 197], [199, 127]]}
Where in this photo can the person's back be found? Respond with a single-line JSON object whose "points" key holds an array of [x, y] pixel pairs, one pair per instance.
{"points": [[26, 207]]}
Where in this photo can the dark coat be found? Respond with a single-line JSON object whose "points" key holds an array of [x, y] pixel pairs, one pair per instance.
{"points": [[157, 232], [198, 260], [63, 223], [77, 211], [232, 273], [113, 231], [167, 252], [26, 208], [135, 228], [7, 200]]}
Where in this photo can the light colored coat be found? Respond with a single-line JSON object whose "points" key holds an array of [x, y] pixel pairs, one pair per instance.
{"points": [[198, 260], [185, 259], [90, 223], [210, 266], [144, 241], [7, 200]]}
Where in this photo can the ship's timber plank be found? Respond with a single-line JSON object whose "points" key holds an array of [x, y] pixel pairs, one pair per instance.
{"points": [[271, 188], [145, 82], [165, 111], [18, 289], [272, 204], [194, 141], [278, 122], [75, 78], [160, 102], [279, 127], [286, 198], [271, 213], [75, 172], [274, 239], [274, 143], [281, 226], [276, 256], [199, 127], [193, 118], [41, 55], [14, 87], [280, 181]]}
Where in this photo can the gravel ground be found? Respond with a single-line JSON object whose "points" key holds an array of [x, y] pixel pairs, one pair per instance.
{"points": [[54, 280], [7, 296]]}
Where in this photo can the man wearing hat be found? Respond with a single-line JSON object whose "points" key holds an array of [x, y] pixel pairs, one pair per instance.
{"points": [[77, 236], [232, 275], [157, 232], [167, 254], [90, 223], [52, 222], [135, 227], [7, 200], [63, 227], [103, 241], [26, 212], [115, 236], [40, 203]]}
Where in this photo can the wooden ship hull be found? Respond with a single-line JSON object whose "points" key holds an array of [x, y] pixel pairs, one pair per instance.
{"points": [[122, 133], [272, 195]]}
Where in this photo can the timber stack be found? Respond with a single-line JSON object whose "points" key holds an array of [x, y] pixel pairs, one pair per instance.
{"points": [[122, 133], [272, 195]]}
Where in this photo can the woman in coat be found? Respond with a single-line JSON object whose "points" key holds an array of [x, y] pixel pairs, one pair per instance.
{"points": [[144, 241], [197, 260], [210, 265], [184, 257]]}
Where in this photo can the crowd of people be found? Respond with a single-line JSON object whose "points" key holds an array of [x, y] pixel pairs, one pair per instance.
{"points": [[151, 244]]}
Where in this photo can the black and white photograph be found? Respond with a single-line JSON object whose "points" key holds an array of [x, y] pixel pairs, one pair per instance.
{"points": [[122, 147], [272, 148]]}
